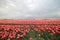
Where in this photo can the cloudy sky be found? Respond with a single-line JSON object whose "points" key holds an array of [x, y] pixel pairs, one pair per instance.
{"points": [[29, 9]]}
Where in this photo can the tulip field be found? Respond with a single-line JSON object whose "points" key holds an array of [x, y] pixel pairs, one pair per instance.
{"points": [[29, 29]]}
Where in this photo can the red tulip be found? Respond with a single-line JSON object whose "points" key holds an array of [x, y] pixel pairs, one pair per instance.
{"points": [[36, 29], [51, 34], [39, 35], [18, 36], [30, 38]]}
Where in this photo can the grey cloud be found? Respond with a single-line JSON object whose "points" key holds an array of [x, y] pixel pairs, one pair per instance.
{"points": [[29, 9]]}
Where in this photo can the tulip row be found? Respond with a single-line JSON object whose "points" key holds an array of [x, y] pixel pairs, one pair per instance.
{"points": [[20, 31]]}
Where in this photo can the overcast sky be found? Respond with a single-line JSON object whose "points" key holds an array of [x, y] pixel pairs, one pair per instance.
{"points": [[29, 9]]}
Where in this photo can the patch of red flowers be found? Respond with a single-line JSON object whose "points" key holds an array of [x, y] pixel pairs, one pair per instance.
{"points": [[19, 31], [30, 38]]}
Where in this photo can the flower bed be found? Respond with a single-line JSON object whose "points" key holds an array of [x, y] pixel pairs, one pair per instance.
{"points": [[29, 31]]}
